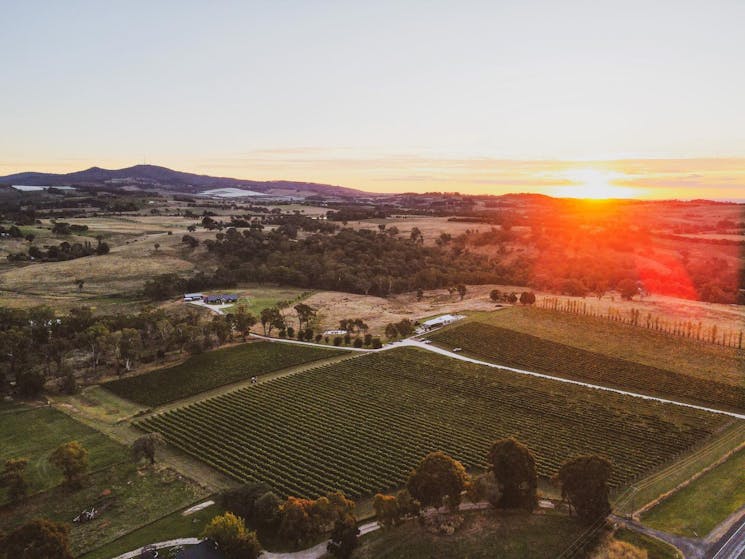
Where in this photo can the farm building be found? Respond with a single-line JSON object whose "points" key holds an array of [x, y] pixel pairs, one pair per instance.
{"points": [[193, 296], [220, 299], [440, 321]]}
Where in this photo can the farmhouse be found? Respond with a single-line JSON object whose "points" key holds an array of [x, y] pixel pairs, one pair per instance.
{"points": [[193, 296], [440, 321], [220, 299]]}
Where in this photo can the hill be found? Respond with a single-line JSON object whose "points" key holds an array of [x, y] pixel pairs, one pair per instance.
{"points": [[163, 178]]}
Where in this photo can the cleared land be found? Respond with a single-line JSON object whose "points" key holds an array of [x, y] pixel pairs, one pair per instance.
{"points": [[696, 509], [212, 369], [481, 536], [361, 425], [34, 433], [515, 349], [126, 497], [701, 360]]}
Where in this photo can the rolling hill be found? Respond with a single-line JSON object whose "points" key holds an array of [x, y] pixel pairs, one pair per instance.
{"points": [[153, 176]]}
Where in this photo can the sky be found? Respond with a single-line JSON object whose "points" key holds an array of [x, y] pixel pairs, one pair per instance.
{"points": [[591, 98]]}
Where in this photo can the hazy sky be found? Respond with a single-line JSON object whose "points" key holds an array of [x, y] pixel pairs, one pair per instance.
{"points": [[487, 96]]}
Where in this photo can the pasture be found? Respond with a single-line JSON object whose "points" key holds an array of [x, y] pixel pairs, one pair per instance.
{"points": [[213, 369], [34, 433], [516, 349], [360, 425]]}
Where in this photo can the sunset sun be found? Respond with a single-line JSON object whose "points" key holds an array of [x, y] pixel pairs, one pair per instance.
{"points": [[595, 184]]}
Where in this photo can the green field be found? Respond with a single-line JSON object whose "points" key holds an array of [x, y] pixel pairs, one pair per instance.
{"points": [[656, 549], [213, 369], [170, 527], [599, 335], [360, 425], [516, 349], [696, 509], [482, 535], [127, 498], [34, 433], [262, 297]]}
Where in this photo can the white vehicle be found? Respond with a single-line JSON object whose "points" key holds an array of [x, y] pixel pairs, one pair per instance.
{"points": [[457, 349], [426, 341]]}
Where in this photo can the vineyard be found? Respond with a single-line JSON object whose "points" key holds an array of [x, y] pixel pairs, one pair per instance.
{"points": [[360, 425], [516, 349], [215, 368]]}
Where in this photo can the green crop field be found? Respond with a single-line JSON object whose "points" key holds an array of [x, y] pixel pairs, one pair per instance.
{"points": [[360, 425], [215, 368], [34, 433], [516, 349]]}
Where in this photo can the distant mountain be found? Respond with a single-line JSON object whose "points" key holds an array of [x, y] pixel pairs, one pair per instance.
{"points": [[153, 176]]}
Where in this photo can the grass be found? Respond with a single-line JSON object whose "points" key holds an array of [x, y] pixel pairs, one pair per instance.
{"points": [[213, 369], [697, 508], [656, 549], [170, 527], [262, 297], [704, 361], [506, 346], [127, 498], [482, 535], [650, 488], [35, 433], [360, 425]]}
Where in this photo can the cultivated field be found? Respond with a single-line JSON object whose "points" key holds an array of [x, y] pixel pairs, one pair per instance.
{"points": [[215, 368], [515, 349], [360, 425], [701, 360]]}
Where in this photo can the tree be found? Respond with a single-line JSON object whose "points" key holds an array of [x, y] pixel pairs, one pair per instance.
{"points": [[344, 538], [233, 539], [416, 236], [391, 510], [438, 477], [495, 295], [627, 288], [38, 539], [272, 318], [13, 477], [419, 294], [266, 512], [527, 298], [514, 469], [305, 314], [584, 484], [244, 320], [72, 459], [145, 446], [80, 283], [129, 346], [461, 290], [157, 246], [512, 298], [242, 500]]}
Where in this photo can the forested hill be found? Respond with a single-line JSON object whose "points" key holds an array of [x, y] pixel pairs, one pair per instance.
{"points": [[168, 179]]}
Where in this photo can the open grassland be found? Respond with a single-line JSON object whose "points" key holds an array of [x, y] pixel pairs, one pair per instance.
{"points": [[255, 298], [360, 425], [215, 368], [697, 508], [516, 349], [35, 433], [126, 497], [656, 549], [482, 535], [170, 527], [680, 355]]}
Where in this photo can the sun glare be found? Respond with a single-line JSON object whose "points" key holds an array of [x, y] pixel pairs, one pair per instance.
{"points": [[594, 184]]}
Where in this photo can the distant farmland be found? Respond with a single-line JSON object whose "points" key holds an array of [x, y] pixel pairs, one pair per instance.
{"points": [[360, 425], [516, 349], [215, 368]]}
